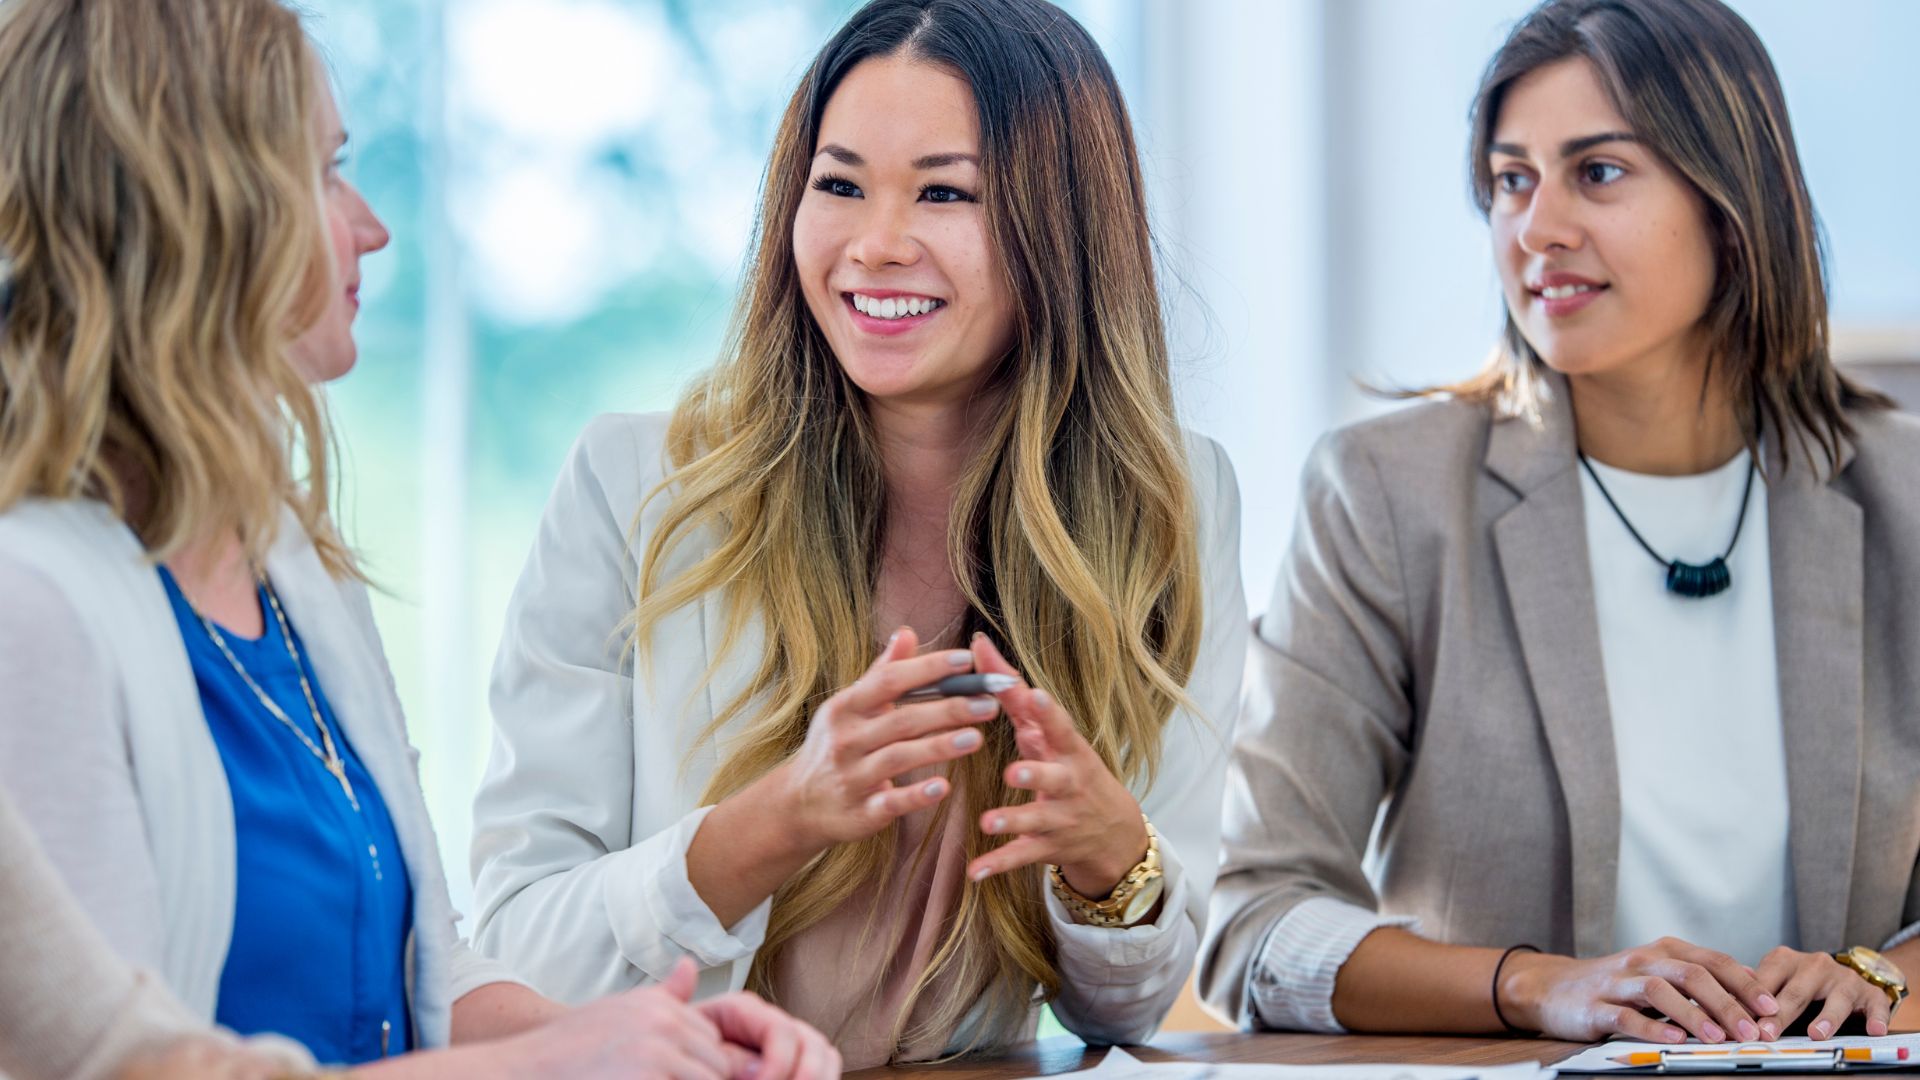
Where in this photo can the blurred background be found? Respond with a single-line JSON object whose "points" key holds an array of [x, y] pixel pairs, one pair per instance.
{"points": [[571, 185]]}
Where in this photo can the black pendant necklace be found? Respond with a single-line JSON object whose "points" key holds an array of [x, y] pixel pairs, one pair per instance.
{"points": [[1691, 580]]}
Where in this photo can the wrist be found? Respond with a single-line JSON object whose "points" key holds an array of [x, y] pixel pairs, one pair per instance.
{"points": [[772, 818], [1096, 878], [1523, 986]]}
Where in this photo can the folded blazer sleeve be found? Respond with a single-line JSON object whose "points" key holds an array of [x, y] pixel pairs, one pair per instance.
{"points": [[1325, 730], [569, 896], [1119, 983]]}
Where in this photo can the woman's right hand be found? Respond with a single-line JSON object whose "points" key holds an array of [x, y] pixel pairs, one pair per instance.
{"points": [[840, 786], [1706, 994]]}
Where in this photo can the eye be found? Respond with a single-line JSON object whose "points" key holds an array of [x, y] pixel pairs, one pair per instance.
{"points": [[942, 193], [1601, 172], [1512, 182], [836, 185]]}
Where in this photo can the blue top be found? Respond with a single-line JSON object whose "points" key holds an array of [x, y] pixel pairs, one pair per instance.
{"points": [[322, 901]]}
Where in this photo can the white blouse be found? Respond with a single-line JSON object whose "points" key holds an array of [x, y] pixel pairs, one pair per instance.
{"points": [[591, 796]]}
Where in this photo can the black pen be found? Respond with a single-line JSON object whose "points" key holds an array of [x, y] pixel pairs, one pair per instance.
{"points": [[961, 686]]}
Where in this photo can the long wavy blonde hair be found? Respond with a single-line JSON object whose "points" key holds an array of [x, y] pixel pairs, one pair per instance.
{"points": [[160, 206], [1074, 523]]}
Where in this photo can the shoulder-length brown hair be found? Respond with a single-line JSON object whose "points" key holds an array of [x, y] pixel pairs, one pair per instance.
{"points": [[1073, 525], [160, 204], [1697, 87]]}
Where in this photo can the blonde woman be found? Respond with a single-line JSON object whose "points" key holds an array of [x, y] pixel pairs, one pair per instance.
{"points": [[942, 442], [195, 714]]}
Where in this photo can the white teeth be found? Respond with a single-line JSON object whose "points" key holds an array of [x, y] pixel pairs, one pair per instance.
{"points": [[893, 307], [1561, 292]]}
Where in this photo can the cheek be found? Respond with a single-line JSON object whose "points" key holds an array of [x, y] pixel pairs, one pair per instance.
{"points": [[814, 252]]}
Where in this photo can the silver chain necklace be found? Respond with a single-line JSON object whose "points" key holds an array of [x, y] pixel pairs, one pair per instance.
{"points": [[329, 757]]}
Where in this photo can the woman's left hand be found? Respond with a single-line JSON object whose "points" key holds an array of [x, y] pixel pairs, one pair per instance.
{"points": [[1798, 979], [1082, 818]]}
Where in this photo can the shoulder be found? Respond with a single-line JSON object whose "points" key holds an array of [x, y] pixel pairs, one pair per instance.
{"points": [[1426, 450], [618, 459], [39, 616], [1886, 446], [1210, 471]]}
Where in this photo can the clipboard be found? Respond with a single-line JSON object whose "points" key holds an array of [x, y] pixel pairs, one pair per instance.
{"points": [[1886, 1054]]}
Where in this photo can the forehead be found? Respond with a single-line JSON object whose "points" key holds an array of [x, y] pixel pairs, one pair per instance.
{"points": [[894, 108], [1550, 105]]}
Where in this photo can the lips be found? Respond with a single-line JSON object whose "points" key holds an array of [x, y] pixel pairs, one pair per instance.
{"points": [[889, 312], [1562, 293]]}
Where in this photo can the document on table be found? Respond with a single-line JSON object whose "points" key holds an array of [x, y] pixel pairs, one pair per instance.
{"points": [[1600, 1059], [1120, 1065]]}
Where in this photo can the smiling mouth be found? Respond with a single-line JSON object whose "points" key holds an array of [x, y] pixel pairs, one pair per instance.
{"points": [[893, 308]]}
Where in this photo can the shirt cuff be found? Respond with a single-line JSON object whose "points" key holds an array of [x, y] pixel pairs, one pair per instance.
{"points": [[1083, 946], [1912, 931], [1292, 984], [653, 883]]}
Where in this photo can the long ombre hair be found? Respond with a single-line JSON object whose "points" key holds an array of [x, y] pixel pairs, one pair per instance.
{"points": [[1073, 534], [160, 205], [1697, 87]]}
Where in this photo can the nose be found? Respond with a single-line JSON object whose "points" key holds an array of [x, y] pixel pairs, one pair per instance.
{"points": [[369, 232], [884, 237], [1551, 223]]}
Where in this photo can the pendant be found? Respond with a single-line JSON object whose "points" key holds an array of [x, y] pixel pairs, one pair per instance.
{"points": [[1696, 582]]}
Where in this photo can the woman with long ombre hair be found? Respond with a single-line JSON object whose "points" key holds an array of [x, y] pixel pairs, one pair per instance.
{"points": [[942, 435], [1604, 648], [196, 718]]}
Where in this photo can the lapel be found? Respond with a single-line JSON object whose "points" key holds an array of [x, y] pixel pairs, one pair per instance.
{"points": [[1542, 547], [1817, 538]]}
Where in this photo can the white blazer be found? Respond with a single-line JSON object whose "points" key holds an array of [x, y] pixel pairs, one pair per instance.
{"points": [[583, 821], [106, 751]]}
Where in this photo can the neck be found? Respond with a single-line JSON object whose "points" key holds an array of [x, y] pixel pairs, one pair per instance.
{"points": [[923, 450], [216, 577], [1663, 419]]}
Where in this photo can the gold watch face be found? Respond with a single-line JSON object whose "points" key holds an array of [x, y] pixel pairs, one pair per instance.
{"points": [[1877, 968], [1142, 901]]}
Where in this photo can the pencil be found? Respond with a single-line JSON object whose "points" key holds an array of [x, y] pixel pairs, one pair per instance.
{"points": [[961, 686]]}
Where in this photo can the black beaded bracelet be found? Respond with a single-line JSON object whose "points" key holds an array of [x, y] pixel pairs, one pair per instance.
{"points": [[1494, 991]]}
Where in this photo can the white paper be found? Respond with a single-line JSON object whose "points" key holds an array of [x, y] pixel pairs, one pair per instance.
{"points": [[1120, 1065], [1595, 1059]]}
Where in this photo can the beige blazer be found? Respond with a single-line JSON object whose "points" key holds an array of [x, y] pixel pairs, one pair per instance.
{"points": [[1432, 646]]}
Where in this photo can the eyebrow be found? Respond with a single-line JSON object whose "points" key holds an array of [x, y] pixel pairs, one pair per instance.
{"points": [[931, 161], [1571, 146]]}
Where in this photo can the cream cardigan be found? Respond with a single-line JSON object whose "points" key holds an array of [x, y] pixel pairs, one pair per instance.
{"points": [[107, 754]]}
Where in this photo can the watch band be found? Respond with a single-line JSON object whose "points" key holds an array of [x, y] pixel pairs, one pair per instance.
{"points": [[1145, 876]]}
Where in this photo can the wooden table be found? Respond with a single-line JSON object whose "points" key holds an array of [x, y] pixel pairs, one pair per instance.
{"points": [[1067, 1054]]}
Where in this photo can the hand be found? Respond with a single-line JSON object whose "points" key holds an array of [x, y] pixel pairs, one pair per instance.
{"points": [[1704, 993], [1082, 819], [1798, 979], [840, 785], [199, 1057], [651, 1032], [776, 1046]]}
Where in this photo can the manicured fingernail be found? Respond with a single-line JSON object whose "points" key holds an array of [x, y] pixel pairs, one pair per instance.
{"points": [[981, 874], [1712, 1032], [1766, 1002], [966, 740], [1748, 1032], [978, 634], [1769, 1030], [931, 790], [1820, 1029], [1023, 776], [1042, 700], [996, 824], [1673, 1034], [877, 803], [959, 658], [982, 706], [893, 638]]}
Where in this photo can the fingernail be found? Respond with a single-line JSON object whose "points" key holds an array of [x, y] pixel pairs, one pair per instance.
{"points": [[995, 825], [978, 634], [1820, 1029], [981, 874], [1766, 1002], [1712, 1032], [1748, 1032], [1673, 1035], [966, 740], [1769, 1030], [959, 658], [982, 706], [1023, 776], [877, 803], [1876, 1027], [931, 790], [751, 1072], [895, 636], [1042, 700]]}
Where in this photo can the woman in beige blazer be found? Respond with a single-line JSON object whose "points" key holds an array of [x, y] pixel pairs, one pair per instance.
{"points": [[1614, 640]]}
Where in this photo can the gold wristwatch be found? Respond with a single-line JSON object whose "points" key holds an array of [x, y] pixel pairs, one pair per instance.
{"points": [[1130, 901], [1877, 970]]}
